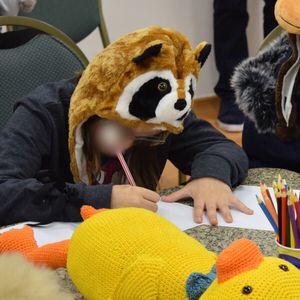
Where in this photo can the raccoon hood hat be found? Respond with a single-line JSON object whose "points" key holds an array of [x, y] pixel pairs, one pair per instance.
{"points": [[145, 78]]}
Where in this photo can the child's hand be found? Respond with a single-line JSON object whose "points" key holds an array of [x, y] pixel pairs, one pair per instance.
{"points": [[212, 194], [133, 196]]}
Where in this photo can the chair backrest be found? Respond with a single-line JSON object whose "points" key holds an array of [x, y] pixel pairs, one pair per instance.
{"points": [[76, 18], [43, 58]]}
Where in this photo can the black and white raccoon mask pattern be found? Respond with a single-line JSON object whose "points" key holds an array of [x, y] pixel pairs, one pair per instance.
{"points": [[157, 97]]}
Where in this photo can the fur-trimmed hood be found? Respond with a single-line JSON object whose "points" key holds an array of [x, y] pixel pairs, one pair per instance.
{"points": [[254, 83], [146, 78]]}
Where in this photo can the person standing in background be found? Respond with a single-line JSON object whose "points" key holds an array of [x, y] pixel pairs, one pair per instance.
{"points": [[230, 42]]}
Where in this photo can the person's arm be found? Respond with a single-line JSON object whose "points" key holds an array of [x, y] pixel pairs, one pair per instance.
{"points": [[201, 151], [215, 164], [25, 193]]}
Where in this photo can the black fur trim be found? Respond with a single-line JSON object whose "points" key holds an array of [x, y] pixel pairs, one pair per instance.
{"points": [[149, 52], [254, 82], [204, 54]]}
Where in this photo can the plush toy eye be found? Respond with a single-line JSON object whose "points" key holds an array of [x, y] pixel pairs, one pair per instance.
{"points": [[162, 86], [247, 290], [284, 268]]}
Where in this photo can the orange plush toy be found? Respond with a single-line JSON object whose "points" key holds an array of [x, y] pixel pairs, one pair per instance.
{"points": [[51, 255]]}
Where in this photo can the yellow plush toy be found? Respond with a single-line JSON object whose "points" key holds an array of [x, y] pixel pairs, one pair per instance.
{"points": [[131, 253], [147, 78]]}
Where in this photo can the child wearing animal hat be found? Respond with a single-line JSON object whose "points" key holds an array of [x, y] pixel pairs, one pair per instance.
{"points": [[56, 152]]}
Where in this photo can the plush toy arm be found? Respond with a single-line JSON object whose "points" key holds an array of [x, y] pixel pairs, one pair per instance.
{"points": [[87, 211], [52, 255], [22, 241]]}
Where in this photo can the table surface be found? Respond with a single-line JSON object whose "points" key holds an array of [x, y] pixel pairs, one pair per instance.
{"points": [[218, 238]]}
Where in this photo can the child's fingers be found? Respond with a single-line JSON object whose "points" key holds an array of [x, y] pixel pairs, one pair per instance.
{"points": [[225, 211], [175, 196], [149, 195], [240, 205], [211, 212], [149, 205], [198, 210]]}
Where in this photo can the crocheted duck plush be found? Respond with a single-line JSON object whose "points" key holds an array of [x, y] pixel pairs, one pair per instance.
{"points": [[131, 253]]}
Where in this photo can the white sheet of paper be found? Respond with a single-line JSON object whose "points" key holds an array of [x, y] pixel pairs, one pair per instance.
{"points": [[182, 215], [179, 214]]}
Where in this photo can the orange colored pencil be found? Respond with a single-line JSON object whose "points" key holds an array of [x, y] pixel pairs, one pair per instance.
{"points": [[268, 202]]}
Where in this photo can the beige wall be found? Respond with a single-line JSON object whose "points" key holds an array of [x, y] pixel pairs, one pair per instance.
{"points": [[191, 17]]}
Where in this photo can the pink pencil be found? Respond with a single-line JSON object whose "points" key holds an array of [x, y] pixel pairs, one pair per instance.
{"points": [[125, 168]]}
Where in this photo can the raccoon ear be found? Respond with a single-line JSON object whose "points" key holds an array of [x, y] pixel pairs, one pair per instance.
{"points": [[148, 52], [202, 51]]}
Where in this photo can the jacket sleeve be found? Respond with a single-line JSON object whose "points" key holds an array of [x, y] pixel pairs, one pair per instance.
{"points": [[26, 194], [202, 151]]}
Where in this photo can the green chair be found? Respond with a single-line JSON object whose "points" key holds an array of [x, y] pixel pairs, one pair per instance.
{"points": [[76, 18], [48, 55]]}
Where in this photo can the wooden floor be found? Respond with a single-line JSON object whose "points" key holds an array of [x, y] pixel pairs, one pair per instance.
{"points": [[206, 109]]}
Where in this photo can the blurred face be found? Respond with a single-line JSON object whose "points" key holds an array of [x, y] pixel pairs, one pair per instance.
{"points": [[110, 137]]}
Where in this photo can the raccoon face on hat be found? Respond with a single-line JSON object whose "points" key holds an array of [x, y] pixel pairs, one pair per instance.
{"points": [[158, 96]]}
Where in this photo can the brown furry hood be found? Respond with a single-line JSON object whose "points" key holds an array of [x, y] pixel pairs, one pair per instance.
{"points": [[146, 78]]}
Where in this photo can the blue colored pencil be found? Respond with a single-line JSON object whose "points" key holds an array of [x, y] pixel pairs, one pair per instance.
{"points": [[267, 214]]}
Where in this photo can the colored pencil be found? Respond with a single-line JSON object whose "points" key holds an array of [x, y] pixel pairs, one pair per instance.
{"points": [[297, 207], [287, 215], [284, 216], [268, 215], [269, 195], [125, 168], [268, 203], [294, 231], [278, 199], [279, 184]]}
